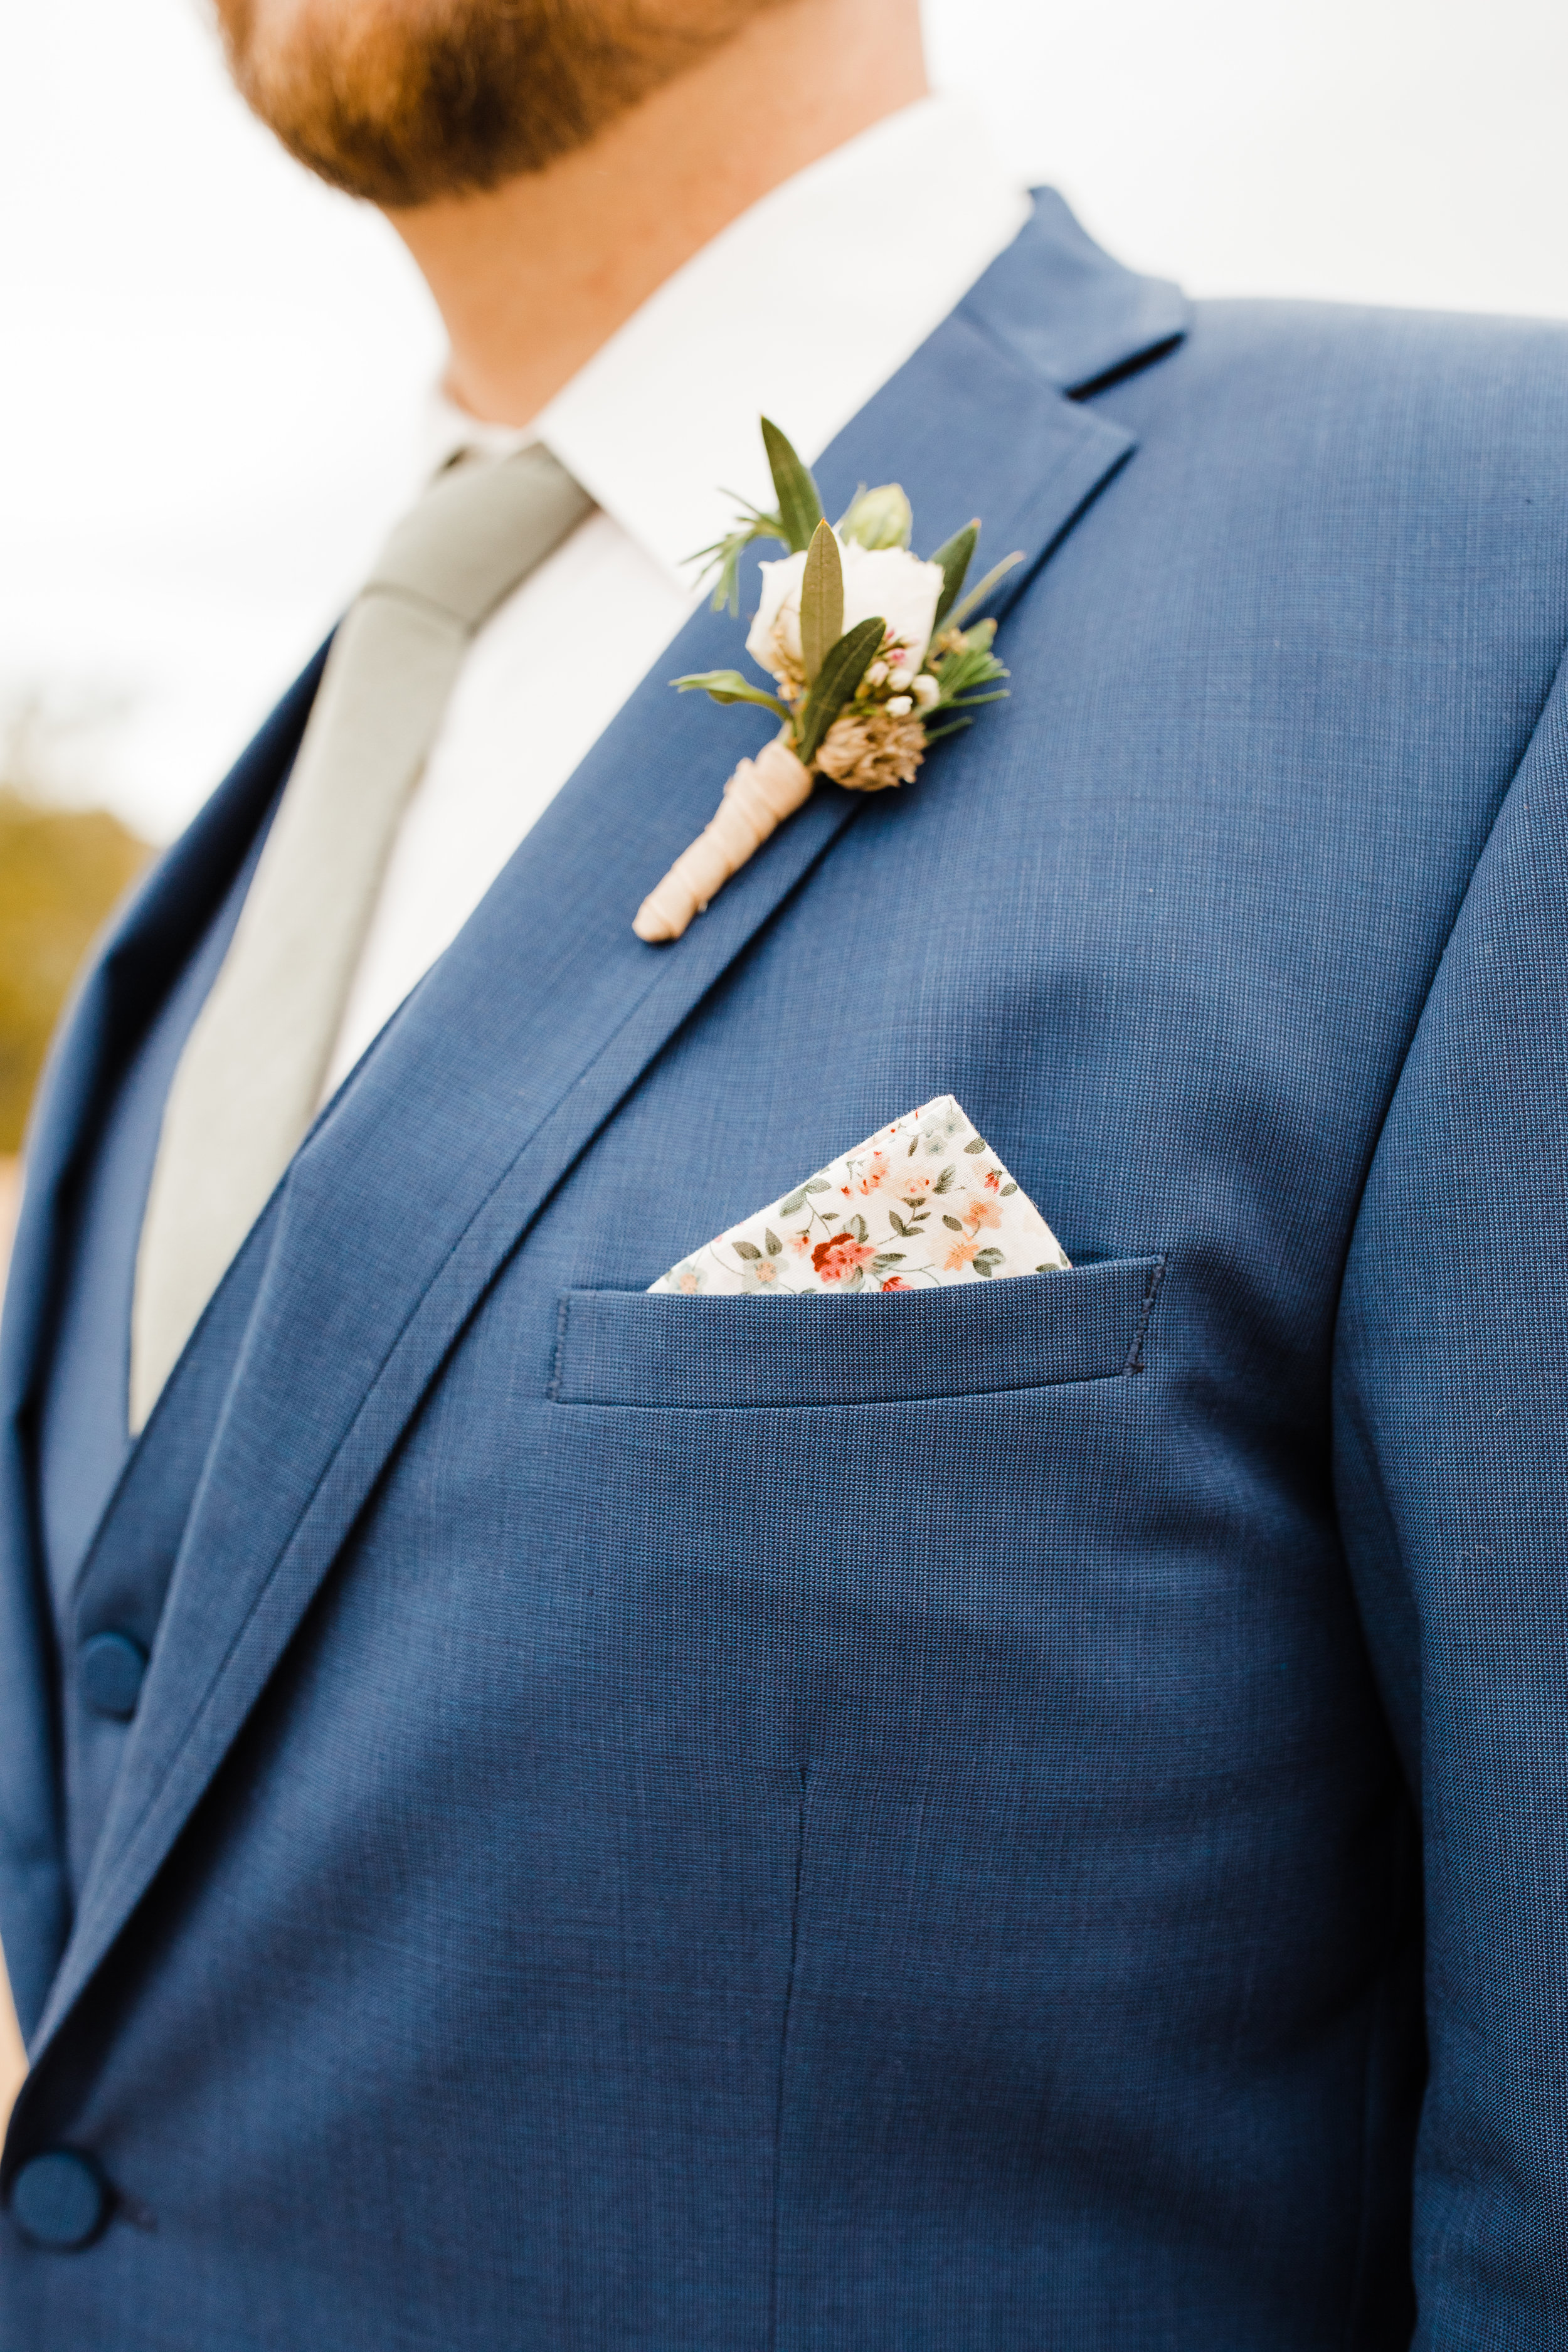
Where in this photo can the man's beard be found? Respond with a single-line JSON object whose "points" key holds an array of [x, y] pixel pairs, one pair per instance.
{"points": [[405, 100]]}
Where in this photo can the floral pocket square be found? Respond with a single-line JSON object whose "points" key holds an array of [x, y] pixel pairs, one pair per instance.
{"points": [[925, 1201]]}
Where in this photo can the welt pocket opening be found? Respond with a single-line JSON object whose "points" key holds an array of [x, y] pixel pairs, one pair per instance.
{"points": [[651, 1350]]}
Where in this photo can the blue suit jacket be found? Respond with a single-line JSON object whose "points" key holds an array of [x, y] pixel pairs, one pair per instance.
{"points": [[895, 1824]]}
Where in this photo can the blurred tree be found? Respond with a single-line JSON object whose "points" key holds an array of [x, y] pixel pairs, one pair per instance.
{"points": [[60, 872]]}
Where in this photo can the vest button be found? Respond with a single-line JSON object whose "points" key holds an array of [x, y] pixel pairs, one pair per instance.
{"points": [[59, 2200], [111, 1667]]}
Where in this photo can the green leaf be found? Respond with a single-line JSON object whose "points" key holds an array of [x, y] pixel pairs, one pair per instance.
{"points": [[976, 1143], [898, 1224], [992, 1257], [816, 1184], [841, 672], [944, 1182], [976, 596], [800, 508], [747, 1250], [951, 1223], [879, 518], [982, 1268], [724, 555], [729, 685], [857, 1227], [796, 1202], [955, 559], [821, 600], [1008, 1191], [771, 1241], [953, 727]]}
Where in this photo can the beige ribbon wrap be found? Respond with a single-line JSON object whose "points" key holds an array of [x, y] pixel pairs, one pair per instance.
{"points": [[758, 797]]}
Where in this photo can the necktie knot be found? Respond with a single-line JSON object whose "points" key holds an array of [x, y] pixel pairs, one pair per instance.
{"points": [[478, 530]]}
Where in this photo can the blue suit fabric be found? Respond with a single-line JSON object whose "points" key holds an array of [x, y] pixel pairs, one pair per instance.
{"points": [[1029, 1815]]}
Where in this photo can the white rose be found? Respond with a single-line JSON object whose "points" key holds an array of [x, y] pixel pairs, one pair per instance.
{"points": [[888, 581]]}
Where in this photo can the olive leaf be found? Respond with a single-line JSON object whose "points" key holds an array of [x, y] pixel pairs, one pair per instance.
{"points": [[953, 1224], [729, 685], [842, 670], [771, 1241], [976, 596], [747, 1250], [975, 1143], [821, 600], [955, 559], [800, 508]]}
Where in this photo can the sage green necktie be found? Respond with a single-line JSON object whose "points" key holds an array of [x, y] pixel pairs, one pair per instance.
{"points": [[249, 1079]]}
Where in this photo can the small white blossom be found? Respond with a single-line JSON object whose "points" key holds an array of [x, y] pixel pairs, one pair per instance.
{"points": [[878, 674], [901, 679], [927, 690], [900, 705]]}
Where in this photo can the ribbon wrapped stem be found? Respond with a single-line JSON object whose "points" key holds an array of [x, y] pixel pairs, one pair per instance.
{"points": [[758, 797]]}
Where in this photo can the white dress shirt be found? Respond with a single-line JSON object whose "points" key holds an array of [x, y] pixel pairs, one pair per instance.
{"points": [[660, 427]]}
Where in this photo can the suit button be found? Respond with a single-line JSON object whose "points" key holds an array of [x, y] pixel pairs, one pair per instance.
{"points": [[59, 2200], [112, 1666]]}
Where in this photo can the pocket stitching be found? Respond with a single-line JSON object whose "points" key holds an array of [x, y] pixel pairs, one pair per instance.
{"points": [[1133, 1363], [562, 1313], [1135, 1359]]}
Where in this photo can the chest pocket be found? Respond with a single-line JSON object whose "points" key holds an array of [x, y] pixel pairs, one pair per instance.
{"points": [[633, 1349]]}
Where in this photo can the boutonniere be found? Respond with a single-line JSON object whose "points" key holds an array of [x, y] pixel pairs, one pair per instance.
{"points": [[873, 652]]}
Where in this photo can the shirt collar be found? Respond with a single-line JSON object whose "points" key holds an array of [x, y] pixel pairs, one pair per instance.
{"points": [[889, 232]]}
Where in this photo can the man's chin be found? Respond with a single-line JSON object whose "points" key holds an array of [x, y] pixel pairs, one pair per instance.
{"points": [[404, 101]]}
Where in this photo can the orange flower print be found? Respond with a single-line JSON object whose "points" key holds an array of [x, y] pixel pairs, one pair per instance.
{"points": [[909, 1185], [838, 1256], [993, 1179], [961, 1254], [875, 1174], [765, 1270], [895, 1282], [981, 1214], [801, 1242]]}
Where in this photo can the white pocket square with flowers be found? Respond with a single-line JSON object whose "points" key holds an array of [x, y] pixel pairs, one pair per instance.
{"points": [[924, 1201]]}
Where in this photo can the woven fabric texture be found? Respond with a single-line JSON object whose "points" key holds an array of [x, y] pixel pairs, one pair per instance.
{"points": [[651, 1825]]}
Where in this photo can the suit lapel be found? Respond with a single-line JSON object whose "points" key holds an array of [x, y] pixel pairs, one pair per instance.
{"points": [[140, 954], [496, 1074]]}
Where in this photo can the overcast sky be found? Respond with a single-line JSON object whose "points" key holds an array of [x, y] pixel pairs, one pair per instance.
{"points": [[213, 368]]}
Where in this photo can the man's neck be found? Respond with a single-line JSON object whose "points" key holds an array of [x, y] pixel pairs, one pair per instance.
{"points": [[532, 279]]}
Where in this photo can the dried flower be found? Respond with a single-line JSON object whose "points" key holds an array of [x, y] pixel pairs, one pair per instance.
{"points": [[872, 747]]}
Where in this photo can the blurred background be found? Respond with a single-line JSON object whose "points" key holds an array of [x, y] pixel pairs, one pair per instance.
{"points": [[212, 369]]}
